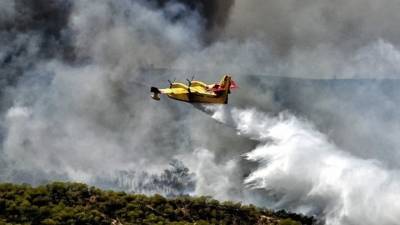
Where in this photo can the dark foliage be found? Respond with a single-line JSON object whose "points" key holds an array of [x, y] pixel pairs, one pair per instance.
{"points": [[74, 203]]}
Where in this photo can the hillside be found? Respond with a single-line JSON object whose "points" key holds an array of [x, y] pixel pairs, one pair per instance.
{"points": [[75, 203]]}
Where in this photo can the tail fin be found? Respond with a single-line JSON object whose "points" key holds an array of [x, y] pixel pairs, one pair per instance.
{"points": [[224, 81], [225, 85], [227, 82]]}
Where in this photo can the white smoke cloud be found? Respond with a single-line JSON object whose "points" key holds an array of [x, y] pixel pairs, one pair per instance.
{"points": [[92, 118], [378, 60], [212, 179], [132, 34]]}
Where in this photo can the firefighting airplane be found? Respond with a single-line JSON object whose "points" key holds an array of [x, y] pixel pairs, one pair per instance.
{"points": [[197, 91]]}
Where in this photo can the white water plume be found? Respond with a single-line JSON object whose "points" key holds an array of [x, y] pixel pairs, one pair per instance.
{"points": [[304, 171]]}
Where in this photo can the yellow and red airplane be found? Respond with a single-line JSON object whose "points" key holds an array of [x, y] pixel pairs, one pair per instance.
{"points": [[197, 91]]}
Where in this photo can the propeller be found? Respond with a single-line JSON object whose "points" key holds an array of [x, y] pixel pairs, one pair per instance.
{"points": [[170, 83], [190, 81]]}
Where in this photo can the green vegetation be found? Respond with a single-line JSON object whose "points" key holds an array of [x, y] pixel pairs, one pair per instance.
{"points": [[74, 203]]}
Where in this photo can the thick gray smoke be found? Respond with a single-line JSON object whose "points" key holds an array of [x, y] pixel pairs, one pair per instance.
{"points": [[7, 11], [318, 39], [76, 118], [307, 25], [75, 77]]}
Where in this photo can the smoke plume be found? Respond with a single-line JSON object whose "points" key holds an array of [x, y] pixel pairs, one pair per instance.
{"points": [[313, 127]]}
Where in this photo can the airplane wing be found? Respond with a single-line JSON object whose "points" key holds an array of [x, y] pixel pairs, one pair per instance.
{"points": [[173, 91], [179, 90], [202, 90]]}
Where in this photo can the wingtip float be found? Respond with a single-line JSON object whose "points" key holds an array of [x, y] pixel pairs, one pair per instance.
{"points": [[197, 91]]}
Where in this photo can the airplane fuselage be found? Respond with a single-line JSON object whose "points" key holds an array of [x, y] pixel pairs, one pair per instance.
{"points": [[196, 92]]}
